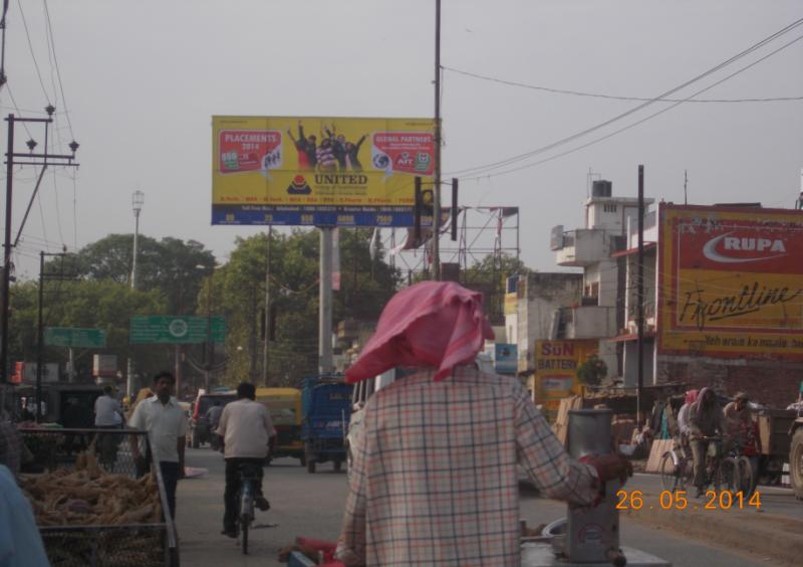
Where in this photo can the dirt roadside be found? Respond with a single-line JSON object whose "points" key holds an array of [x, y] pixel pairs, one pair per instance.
{"points": [[749, 530]]}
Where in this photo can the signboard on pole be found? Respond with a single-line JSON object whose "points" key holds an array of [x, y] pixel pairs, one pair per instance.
{"points": [[506, 358], [319, 171], [556, 365], [104, 365], [164, 329], [75, 337]]}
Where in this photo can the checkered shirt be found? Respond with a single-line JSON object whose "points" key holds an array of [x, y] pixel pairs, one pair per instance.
{"points": [[434, 481]]}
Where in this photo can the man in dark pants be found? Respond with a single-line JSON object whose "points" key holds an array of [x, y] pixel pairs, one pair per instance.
{"points": [[246, 428], [166, 422]]}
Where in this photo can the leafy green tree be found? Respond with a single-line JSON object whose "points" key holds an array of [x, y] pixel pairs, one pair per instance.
{"points": [[105, 305], [172, 266], [366, 285]]}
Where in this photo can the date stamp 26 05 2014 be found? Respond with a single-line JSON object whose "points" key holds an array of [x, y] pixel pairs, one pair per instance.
{"points": [[679, 500]]}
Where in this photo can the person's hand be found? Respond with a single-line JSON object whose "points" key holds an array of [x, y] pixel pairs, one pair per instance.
{"points": [[612, 466]]}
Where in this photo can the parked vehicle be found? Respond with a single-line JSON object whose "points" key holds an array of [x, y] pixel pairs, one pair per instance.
{"points": [[199, 426], [326, 406], [796, 456], [284, 405]]}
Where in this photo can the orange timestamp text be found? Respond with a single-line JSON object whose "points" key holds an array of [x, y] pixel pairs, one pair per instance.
{"points": [[678, 500]]}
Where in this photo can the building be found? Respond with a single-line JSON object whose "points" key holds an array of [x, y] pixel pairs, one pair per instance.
{"points": [[598, 248]]}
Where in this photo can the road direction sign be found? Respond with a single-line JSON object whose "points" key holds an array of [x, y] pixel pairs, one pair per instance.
{"points": [[75, 337], [167, 329]]}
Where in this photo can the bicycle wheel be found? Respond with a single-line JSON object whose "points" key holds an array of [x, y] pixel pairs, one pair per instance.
{"points": [[725, 478], [244, 523], [670, 477], [743, 476]]}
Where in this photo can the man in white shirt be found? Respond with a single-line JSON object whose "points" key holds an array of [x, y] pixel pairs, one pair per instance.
{"points": [[108, 415], [246, 428], [108, 412], [166, 422]]}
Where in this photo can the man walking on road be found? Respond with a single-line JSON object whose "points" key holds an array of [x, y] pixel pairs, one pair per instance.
{"points": [[246, 428], [166, 422]]}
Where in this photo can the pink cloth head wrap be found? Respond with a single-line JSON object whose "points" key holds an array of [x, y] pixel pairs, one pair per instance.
{"points": [[439, 324], [691, 396]]}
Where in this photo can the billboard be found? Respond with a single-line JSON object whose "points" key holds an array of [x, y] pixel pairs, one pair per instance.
{"points": [[319, 171], [730, 282], [556, 363]]}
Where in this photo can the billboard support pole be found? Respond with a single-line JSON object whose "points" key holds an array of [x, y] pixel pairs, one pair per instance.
{"points": [[267, 311], [436, 208], [325, 301], [640, 299]]}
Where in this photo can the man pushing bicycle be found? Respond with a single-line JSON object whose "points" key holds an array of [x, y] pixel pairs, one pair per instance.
{"points": [[706, 421], [245, 428]]}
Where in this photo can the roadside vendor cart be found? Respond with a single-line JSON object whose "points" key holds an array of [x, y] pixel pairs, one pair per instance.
{"points": [[93, 512]]}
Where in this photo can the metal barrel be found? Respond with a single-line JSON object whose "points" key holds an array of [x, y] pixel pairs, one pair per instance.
{"points": [[589, 432]]}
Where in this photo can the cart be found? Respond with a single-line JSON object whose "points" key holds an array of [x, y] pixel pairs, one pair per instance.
{"points": [[116, 543]]}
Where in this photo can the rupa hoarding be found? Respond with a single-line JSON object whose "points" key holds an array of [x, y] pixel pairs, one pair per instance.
{"points": [[319, 171], [731, 282]]}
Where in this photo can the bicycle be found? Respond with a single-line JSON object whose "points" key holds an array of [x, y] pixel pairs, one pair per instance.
{"points": [[742, 470], [719, 471], [677, 468], [248, 501]]}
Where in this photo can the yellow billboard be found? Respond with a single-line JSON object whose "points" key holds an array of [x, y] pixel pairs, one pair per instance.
{"points": [[731, 282], [319, 171], [556, 363]]}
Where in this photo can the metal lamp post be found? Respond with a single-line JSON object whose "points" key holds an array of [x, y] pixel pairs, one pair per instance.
{"points": [[137, 200]]}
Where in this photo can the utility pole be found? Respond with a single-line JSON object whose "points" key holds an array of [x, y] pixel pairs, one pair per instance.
{"points": [[40, 334], [325, 365], [267, 310], [13, 158], [436, 193], [640, 300]]}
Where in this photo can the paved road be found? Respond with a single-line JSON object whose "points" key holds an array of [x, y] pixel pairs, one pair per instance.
{"points": [[304, 504]]}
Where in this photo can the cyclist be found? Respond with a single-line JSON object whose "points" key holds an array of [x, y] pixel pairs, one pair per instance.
{"points": [[683, 421], [245, 428], [743, 430], [705, 420]]}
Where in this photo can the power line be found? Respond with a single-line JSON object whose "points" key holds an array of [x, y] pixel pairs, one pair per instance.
{"points": [[615, 97], [520, 157], [33, 54], [634, 124], [52, 44]]}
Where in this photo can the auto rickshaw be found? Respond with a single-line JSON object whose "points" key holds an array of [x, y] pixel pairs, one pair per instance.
{"points": [[284, 405]]}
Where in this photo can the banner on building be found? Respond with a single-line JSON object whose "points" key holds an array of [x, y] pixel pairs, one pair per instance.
{"points": [[319, 171], [556, 363], [731, 282]]}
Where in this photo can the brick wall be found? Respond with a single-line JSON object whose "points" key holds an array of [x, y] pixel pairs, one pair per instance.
{"points": [[771, 383]]}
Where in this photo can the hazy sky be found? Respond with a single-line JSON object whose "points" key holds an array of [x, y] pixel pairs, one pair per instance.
{"points": [[141, 79]]}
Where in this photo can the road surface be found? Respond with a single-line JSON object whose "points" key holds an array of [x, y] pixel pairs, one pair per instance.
{"points": [[312, 504]]}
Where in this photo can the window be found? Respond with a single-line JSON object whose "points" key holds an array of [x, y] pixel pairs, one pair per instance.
{"points": [[609, 208]]}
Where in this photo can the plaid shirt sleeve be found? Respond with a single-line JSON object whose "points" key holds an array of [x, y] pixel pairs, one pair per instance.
{"points": [[351, 544], [542, 455]]}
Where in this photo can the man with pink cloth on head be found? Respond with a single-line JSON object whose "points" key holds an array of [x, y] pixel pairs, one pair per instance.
{"points": [[434, 478]]}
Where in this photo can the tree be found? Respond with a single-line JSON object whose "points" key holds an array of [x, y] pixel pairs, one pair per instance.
{"points": [[172, 266], [105, 305], [488, 276], [366, 285]]}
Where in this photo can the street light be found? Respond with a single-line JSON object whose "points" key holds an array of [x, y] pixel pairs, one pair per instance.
{"points": [[137, 200]]}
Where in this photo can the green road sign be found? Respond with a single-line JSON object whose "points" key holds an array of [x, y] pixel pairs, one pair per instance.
{"points": [[176, 330], [75, 337]]}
